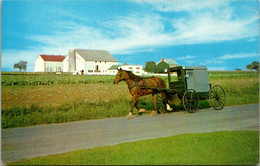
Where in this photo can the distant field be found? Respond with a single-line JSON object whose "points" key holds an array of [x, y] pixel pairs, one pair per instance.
{"points": [[64, 98], [23, 78], [217, 148]]}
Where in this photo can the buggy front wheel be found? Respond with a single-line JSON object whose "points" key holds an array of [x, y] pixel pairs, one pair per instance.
{"points": [[217, 97], [191, 100]]}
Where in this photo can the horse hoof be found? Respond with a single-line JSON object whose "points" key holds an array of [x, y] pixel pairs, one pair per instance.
{"points": [[129, 116], [153, 113], [142, 110], [168, 107]]}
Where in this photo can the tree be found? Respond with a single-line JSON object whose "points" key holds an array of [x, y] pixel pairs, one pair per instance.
{"points": [[249, 67], [161, 67], [253, 66], [150, 66], [21, 65]]}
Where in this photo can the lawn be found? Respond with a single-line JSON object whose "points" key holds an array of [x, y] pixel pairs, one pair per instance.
{"points": [[217, 148]]}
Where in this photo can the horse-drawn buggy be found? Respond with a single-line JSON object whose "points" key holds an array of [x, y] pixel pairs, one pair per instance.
{"points": [[190, 87]]}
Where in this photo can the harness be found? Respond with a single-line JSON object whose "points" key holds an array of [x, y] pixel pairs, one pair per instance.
{"points": [[134, 84]]}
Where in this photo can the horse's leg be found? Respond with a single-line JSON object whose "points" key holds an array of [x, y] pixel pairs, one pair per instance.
{"points": [[134, 104], [155, 104], [165, 101]]}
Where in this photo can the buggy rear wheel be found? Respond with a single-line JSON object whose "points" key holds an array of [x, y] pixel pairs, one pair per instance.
{"points": [[217, 97], [191, 100]]}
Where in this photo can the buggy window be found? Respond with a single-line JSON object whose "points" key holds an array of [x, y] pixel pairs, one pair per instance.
{"points": [[179, 75], [190, 73]]}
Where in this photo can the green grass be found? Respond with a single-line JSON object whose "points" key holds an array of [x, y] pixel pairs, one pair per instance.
{"points": [[68, 112], [244, 95], [232, 74], [217, 148], [74, 111]]}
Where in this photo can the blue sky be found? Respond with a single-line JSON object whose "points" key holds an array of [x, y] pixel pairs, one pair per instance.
{"points": [[221, 34]]}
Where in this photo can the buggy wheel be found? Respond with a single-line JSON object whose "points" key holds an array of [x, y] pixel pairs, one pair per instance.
{"points": [[217, 97], [161, 107], [191, 100]]}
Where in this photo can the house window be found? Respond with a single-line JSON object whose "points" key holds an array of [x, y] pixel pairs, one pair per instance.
{"points": [[97, 67], [130, 67], [95, 61], [137, 68]]}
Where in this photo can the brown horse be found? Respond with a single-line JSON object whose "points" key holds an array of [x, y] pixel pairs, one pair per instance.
{"points": [[139, 86]]}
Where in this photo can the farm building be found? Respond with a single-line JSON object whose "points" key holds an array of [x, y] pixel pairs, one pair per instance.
{"points": [[170, 62], [49, 63], [91, 62], [135, 69], [81, 61]]}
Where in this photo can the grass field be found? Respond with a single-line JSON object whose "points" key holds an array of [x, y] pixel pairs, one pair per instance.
{"points": [[217, 148], [67, 98]]}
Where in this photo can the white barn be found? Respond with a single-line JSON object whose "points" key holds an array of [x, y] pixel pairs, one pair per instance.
{"points": [[91, 62], [49, 63]]}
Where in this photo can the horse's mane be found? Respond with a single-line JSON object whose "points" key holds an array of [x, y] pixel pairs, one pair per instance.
{"points": [[132, 76], [135, 77]]}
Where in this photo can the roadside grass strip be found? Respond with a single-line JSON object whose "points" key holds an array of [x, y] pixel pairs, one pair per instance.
{"points": [[216, 148]]}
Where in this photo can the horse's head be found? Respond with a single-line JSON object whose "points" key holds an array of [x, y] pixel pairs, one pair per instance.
{"points": [[120, 76]]}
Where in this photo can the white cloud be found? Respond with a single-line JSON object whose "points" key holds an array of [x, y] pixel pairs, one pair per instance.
{"points": [[238, 56], [186, 57], [143, 31], [206, 21], [121, 35]]}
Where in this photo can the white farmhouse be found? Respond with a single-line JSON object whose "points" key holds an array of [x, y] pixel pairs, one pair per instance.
{"points": [[49, 63], [170, 62], [91, 62], [135, 69]]}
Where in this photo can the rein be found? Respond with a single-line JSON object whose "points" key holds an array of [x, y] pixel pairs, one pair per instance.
{"points": [[135, 84]]}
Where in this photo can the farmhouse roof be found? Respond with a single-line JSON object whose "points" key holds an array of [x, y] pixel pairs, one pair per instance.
{"points": [[96, 55], [114, 67], [171, 61], [56, 58]]}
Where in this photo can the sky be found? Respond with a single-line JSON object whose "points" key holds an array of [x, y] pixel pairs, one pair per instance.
{"points": [[220, 34]]}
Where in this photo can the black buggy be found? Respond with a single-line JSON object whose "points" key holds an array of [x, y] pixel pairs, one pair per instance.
{"points": [[192, 86]]}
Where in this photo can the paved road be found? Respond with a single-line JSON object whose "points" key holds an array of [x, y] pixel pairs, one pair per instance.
{"points": [[29, 142]]}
